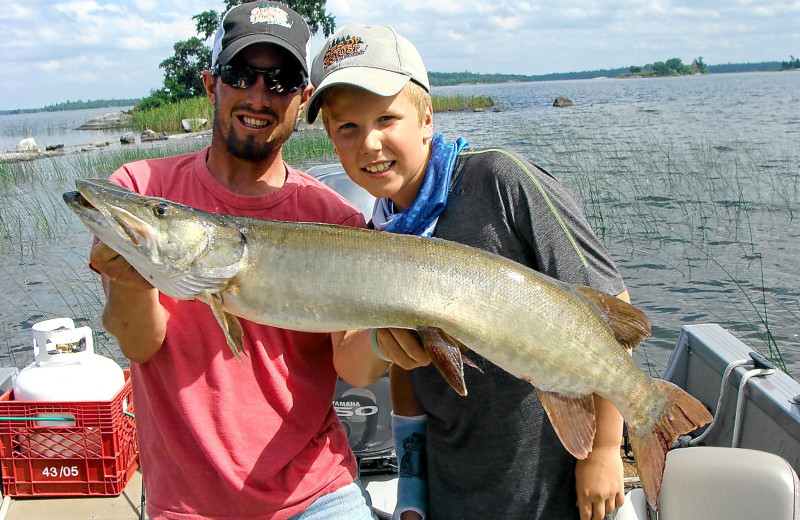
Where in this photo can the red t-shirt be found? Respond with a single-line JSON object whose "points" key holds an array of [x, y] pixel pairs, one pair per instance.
{"points": [[228, 440]]}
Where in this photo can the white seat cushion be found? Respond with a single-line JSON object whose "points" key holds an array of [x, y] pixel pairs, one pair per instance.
{"points": [[709, 483]]}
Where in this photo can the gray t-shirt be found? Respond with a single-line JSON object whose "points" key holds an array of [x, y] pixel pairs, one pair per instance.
{"points": [[494, 453]]}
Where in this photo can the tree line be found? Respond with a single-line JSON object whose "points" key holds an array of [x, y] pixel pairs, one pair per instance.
{"points": [[77, 105], [793, 63], [441, 79]]}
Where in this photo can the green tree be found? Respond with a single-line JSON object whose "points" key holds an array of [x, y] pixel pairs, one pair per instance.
{"points": [[698, 66], [635, 69], [793, 63], [676, 65], [183, 70], [660, 68]]}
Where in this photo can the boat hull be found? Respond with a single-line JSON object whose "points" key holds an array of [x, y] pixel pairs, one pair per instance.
{"points": [[769, 417]]}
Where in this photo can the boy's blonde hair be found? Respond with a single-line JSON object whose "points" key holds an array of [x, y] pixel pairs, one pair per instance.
{"points": [[415, 92]]}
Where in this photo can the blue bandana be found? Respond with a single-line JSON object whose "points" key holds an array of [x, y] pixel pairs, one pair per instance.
{"points": [[420, 218]]}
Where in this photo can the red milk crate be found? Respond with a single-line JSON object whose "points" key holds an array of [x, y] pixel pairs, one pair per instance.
{"points": [[93, 455]]}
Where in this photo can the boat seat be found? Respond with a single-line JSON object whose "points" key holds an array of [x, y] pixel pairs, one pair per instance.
{"points": [[710, 483]]}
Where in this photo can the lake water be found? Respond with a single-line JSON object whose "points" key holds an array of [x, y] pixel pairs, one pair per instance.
{"points": [[54, 128], [693, 183]]}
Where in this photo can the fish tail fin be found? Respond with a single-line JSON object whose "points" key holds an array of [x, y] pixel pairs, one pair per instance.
{"points": [[682, 414]]}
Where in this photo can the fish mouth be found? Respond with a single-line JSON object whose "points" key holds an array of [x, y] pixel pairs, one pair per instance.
{"points": [[126, 224], [74, 198]]}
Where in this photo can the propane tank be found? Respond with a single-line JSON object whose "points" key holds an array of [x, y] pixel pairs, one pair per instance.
{"points": [[65, 367]]}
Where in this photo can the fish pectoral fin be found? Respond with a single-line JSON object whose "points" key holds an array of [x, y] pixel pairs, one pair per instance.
{"points": [[446, 355], [629, 324], [229, 323], [573, 420]]}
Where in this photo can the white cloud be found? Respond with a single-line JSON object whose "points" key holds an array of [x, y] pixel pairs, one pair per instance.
{"points": [[82, 49]]}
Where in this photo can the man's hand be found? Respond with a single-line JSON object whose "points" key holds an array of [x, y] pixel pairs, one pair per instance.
{"points": [[132, 313], [114, 266]]}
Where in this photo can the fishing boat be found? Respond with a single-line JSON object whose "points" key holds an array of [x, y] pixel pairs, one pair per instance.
{"points": [[744, 464]]}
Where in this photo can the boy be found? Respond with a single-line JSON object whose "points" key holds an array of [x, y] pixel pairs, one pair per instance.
{"points": [[493, 453]]}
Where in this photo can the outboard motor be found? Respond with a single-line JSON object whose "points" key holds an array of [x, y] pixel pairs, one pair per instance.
{"points": [[366, 416]]}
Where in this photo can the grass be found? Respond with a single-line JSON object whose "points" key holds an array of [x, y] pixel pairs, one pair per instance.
{"points": [[705, 213], [309, 146], [453, 102], [32, 212], [168, 118]]}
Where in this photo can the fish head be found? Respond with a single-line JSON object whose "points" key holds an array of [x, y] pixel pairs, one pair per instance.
{"points": [[182, 251]]}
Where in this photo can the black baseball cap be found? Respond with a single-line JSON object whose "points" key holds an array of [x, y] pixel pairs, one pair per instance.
{"points": [[262, 22]]}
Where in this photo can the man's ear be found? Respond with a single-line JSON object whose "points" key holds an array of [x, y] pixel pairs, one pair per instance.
{"points": [[306, 96], [211, 86]]}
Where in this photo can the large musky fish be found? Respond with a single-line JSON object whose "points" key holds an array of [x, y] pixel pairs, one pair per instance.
{"points": [[568, 341]]}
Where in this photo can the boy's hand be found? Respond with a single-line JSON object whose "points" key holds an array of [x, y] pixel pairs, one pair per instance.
{"points": [[403, 347], [599, 483]]}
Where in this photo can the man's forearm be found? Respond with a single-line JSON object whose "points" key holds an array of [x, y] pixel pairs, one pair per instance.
{"points": [[136, 320]]}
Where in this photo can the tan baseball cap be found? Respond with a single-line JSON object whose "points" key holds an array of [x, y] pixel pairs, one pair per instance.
{"points": [[372, 57]]}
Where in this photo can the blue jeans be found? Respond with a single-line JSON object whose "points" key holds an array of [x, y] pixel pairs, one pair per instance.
{"points": [[348, 503]]}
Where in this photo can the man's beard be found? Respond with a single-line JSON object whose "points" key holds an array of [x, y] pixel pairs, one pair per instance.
{"points": [[251, 148]]}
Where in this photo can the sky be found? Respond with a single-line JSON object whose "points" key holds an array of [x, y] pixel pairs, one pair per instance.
{"points": [[52, 51]]}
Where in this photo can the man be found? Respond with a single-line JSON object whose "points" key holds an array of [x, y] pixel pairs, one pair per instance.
{"points": [[219, 438]]}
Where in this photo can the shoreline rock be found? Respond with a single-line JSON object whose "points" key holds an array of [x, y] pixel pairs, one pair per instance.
{"points": [[108, 121], [147, 137], [59, 150]]}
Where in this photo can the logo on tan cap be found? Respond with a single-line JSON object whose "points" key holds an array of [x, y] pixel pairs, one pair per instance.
{"points": [[342, 48]]}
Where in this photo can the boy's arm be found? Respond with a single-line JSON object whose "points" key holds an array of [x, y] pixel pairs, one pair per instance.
{"points": [[357, 361], [409, 426], [132, 313], [599, 478]]}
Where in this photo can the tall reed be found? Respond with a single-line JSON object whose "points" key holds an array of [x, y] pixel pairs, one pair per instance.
{"points": [[167, 118], [450, 102], [687, 205]]}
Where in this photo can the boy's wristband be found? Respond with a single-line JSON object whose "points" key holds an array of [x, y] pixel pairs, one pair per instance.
{"points": [[412, 484], [373, 337]]}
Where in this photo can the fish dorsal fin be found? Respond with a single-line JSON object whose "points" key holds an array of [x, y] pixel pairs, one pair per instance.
{"points": [[629, 324], [230, 324], [572, 419], [445, 353]]}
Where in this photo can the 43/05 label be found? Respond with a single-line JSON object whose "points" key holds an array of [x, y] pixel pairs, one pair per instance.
{"points": [[60, 472]]}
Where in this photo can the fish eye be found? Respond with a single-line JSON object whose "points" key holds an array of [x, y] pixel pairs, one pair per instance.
{"points": [[160, 210]]}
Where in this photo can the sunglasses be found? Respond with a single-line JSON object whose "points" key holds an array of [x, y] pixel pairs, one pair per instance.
{"points": [[281, 81]]}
